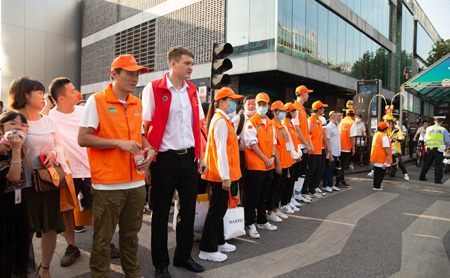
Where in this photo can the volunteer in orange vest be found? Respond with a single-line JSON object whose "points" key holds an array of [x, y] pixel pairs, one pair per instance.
{"points": [[313, 176], [111, 129], [301, 126], [348, 132], [283, 161], [287, 197], [260, 152], [380, 155], [222, 159], [172, 114]]}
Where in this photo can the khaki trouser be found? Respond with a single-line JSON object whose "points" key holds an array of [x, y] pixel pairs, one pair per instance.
{"points": [[108, 207]]}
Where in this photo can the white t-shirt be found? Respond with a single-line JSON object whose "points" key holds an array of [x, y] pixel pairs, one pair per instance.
{"points": [[334, 139], [385, 141], [90, 119], [221, 138], [69, 125], [421, 132], [178, 133], [43, 136], [236, 121]]}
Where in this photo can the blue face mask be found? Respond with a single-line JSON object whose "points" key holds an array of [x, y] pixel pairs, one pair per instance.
{"points": [[358, 120], [232, 107], [262, 111], [281, 115]]}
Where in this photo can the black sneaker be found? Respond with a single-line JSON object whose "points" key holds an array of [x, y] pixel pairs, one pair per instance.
{"points": [[115, 252], [70, 255], [79, 229]]}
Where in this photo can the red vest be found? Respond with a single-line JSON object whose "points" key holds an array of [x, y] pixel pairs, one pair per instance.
{"points": [[163, 98]]}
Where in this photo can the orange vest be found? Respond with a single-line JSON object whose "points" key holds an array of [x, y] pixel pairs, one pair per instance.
{"points": [[303, 121], [378, 154], [344, 130], [265, 144], [316, 134], [113, 165], [323, 143], [211, 157], [295, 140], [282, 140]]}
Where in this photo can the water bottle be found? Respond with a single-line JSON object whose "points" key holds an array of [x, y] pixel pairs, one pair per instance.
{"points": [[139, 159]]}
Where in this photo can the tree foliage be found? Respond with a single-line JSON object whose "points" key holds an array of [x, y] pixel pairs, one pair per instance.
{"points": [[439, 50]]}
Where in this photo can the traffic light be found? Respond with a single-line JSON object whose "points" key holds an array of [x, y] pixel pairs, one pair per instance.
{"points": [[220, 64]]}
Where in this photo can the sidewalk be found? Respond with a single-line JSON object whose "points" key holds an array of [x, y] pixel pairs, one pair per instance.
{"points": [[367, 168]]}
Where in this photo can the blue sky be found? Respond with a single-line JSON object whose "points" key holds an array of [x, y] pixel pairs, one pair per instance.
{"points": [[437, 12]]}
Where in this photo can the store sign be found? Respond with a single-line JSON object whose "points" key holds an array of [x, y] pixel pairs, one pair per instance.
{"points": [[202, 91]]}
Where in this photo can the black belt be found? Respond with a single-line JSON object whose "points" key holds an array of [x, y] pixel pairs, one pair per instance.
{"points": [[180, 152]]}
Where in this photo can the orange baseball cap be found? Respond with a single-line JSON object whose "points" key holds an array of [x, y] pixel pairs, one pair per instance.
{"points": [[79, 96], [318, 104], [227, 92], [302, 89], [290, 106], [350, 111], [127, 62], [382, 125], [262, 97], [278, 105]]}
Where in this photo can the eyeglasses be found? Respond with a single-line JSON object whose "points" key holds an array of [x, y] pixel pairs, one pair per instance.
{"points": [[16, 124]]}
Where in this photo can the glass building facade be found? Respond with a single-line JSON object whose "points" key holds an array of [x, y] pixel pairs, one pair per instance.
{"points": [[405, 36], [424, 43]]}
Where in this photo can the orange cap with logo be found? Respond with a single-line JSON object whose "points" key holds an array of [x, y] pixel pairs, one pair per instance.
{"points": [[290, 106], [278, 105], [302, 89], [128, 63], [227, 92], [318, 104], [262, 97]]}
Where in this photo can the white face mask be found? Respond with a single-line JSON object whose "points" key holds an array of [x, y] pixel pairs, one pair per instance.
{"points": [[262, 111], [250, 112]]}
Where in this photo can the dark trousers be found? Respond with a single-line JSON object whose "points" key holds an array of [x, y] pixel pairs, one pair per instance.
{"points": [[244, 175], [378, 176], [329, 173], [212, 235], [286, 196], [276, 189], [400, 162], [322, 164], [345, 163], [313, 175], [170, 172], [304, 169], [412, 146], [437, 157], [256, 190]]}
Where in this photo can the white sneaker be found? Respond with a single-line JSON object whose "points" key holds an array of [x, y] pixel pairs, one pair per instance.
{"points": [[328, 189], [406, 177], [267, 226], [227, 248], [274, 217], [335, 188], [286, 209], [212, 256], [318, 190], [281, 215], [294, 208], [304, 199], [370, 174], [251, 231], [306, 196], [295, 203], [377, 189], [317, 195]]}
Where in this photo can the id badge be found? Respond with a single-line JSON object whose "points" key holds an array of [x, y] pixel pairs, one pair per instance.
{"points": [[17, 196], [288, 147]]}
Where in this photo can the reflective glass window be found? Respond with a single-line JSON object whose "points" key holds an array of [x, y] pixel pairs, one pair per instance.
{"points": [[424, 43], [341, 44], [322, 35], [285, 42], [311, 30], [332, 40], [298, 28]]}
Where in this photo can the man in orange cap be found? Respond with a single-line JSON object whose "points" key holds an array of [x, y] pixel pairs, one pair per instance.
{"points": [[301, 126], [313, 175], [347, 129], [111, 129], [172, 117], [260, 152], [380, 155]]}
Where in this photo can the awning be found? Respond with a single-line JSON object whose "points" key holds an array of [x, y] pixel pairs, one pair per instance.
{"points": [[432, 83]]}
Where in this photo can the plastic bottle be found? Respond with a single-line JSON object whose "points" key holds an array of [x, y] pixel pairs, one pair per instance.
{"points": [[139, 159]]}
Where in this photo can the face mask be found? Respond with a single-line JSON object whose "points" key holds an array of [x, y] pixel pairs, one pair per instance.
{"points": [[281, 115], [250, 112], [358, 120], [5, 139], [232, 107], [262, 111], [337, 122]]}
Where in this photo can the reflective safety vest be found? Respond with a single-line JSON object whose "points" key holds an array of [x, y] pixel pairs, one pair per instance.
{"points": [[378, 154], [434, 137]]}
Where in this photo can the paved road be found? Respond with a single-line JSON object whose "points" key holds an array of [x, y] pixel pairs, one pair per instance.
{"points": [[403, 231]]}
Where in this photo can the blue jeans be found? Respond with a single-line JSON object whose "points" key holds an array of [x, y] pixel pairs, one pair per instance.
{"points": [[329, 172]]}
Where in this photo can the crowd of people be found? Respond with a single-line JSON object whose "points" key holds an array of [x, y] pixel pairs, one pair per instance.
{"points": [[279, 156]]}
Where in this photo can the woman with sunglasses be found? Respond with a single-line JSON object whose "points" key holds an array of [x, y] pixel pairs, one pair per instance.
{"points": [[14, 236], [27, 96]]}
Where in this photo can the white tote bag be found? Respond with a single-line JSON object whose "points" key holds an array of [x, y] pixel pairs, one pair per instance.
{"points": [[233, 223]]}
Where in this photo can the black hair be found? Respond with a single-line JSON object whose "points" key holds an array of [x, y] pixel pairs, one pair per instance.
{"points": [[426, 122], [248, 97], [11, 115], [56, 87], [205, 106]]}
